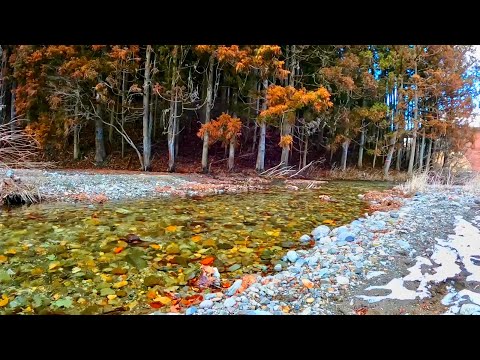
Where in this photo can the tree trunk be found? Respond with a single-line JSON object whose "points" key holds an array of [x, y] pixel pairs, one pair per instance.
{"points": [[147, 141], [393, 139], [287, 125], [260, 166], [429, 155], [231, 154], [376, 148], [257, 112], [172, 122], [123, 110], [422, 152], [362, 141], [399, 158], [208, 108], [76, 136], [343, 162], [305, 151], [110, 129], [415, 126], [100, 153], [13, 115]]}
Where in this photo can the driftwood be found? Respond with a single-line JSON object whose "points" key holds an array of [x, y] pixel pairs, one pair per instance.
{"points": [[282, 171], [14, 191]]}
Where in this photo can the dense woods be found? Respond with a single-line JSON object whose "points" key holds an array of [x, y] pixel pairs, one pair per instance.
{"points": [[402, 107]]}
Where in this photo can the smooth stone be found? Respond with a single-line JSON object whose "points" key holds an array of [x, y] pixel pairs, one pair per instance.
{"points": [[191, 310], [339, 230], [205, 304], [359, 264], [342, 280], [358, 270], [356, 223], [332, 251], [340, 257], [230, 302], [312, 261], [210, 296], [255, 312], [320, 232], [278, 267], [304, 238], [469, 309], [346, 236], [341, 243], [299, 263], [233, 289], [292, 256], [403, 244], [394, 214], [323, 272]]}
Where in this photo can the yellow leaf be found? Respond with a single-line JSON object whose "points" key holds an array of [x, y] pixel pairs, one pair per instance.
{"points": [[111, 297], [4, 300], [307, 283], [122, 244], [171, 228], [120, 284], [10, 252], [54, 265], [310, 300], [163, 299], [155, 246], [328, 222], [132, 304], [3, 258], [106, 278], [286, 309]]}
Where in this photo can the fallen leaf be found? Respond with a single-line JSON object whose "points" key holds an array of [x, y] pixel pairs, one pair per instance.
{"points": [[111, 297], [328, 222], [120, 284], [307, 283], [310, 300], [196, 238], [4, 300], [286, 309], [361, 311], [118, 250], [156, 305], [151, 294], [53, 265], [171, 228], [175, 308], [155, 246], [207, 261], [10, 252], [163, 299], [3, 258]]}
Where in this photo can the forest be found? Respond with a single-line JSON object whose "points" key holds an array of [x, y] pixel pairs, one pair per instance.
{"points": [[155, 107]]}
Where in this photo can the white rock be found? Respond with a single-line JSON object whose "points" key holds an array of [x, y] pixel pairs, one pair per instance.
{"points": [[469, 309], [292, 256], [342, 280]]}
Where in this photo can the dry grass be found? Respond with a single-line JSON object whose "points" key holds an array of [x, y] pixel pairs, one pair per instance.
{"points": [[442, 179], [367, 174]]}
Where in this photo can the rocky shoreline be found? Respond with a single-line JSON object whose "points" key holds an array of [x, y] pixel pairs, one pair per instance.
{"points": [[347, 269]]}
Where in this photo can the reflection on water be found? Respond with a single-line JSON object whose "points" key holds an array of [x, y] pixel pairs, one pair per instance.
{"points": [[57, 258]]}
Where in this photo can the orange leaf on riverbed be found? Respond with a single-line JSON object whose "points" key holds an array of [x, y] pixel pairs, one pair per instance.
{"points": [[247, 280], [151, 294], [156, 305], [207, 261], [118, 250]]}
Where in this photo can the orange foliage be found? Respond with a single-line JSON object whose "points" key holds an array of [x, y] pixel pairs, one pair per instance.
{"points": [[224, 129], [281, 100], [286, 141]]}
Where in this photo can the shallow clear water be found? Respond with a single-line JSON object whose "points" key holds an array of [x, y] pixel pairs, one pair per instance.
{"points": [[61, 258]]}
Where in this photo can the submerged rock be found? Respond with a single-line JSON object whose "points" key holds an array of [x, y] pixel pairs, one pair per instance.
{"points": [[346, 236]]}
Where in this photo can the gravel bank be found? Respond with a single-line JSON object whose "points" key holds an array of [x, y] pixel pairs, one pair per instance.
{"points": [[99, 186], [408, 254]]}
